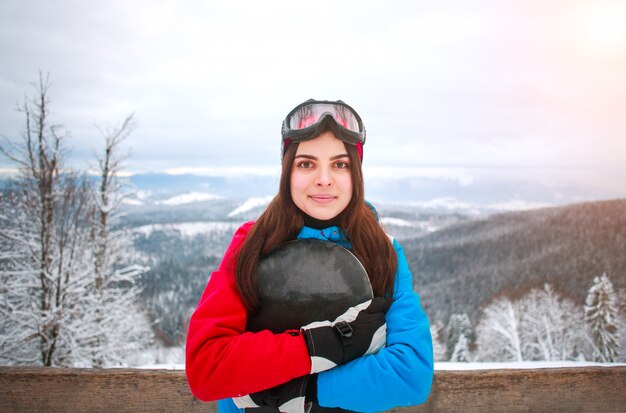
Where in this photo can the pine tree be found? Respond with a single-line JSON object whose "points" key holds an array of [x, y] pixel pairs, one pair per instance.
{"points": [[459, 325], [461, 350], [601, 316]]}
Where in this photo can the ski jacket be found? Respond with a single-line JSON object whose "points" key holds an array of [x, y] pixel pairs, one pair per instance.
{"points": [[224, 361]]}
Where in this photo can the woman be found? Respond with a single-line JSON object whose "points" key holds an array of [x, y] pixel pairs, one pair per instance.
{"points": [[321, 196]]}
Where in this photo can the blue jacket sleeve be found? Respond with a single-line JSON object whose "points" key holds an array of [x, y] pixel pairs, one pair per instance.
{"points": [[401, 373]]}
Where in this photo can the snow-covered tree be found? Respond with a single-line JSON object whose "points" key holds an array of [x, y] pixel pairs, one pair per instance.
{"points": [[459, 325], [539, 326], [68, 295], [601, 316], [461, 350], [621, 326], [439, 348], [550, 326], [498, 332], [118, 326], [44, 230]]}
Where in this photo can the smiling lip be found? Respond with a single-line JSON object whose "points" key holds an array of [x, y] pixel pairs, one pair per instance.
{"points": [[322, 199]]}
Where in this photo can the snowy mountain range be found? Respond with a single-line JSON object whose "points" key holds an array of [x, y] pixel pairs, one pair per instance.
{"points": [[462, 252], [436, 191], [467, 240]]}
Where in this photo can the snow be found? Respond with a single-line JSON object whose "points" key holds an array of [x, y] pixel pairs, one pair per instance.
{"points": [[518, 205], [137, 198], [541, 325], [396, 222], [448, 203], [166, 361], [453, 204], [142, 194], [250, 204], [446, 365], [168, 358], [190, 229], [132, 202], [602, 315], [189, 198], [172, 358]]}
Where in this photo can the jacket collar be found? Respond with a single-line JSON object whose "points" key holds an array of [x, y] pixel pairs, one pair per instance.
{"points": [[333, 234]]}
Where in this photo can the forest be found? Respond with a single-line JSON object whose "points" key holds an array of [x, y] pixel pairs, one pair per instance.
{"points": [[88, 278], [458, 302]]}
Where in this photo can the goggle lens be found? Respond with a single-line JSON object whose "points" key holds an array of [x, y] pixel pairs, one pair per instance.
{"points": [[309, 115]]}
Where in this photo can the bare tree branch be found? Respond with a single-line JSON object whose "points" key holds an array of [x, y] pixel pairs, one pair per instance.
{"points": [[68, 296]]}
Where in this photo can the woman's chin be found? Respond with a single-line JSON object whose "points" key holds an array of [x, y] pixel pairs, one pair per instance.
{"points": [[323, 214]]}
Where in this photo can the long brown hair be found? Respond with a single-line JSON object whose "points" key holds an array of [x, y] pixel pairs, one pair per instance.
{"points": [[282, 221]]}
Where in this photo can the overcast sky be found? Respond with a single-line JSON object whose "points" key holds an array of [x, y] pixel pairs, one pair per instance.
{"points": [[514, 85]]}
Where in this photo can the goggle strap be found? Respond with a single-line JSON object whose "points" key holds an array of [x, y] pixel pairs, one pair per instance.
{"points": [[359, 148]]}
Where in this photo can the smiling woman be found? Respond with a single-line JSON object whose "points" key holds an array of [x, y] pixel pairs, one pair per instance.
{"points": [[320, 366]]}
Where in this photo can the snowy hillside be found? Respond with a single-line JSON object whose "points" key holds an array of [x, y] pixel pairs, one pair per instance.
{"points": [[189, 198], [460, 257], [461, 267], [190, 229], [254, 205]]}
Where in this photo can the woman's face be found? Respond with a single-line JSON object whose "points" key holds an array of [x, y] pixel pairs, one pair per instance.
{"points": [[321, 182]]}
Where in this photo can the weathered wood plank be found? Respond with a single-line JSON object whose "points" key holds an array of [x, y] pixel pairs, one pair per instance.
{"points": [[580, 389], [89, 390]]}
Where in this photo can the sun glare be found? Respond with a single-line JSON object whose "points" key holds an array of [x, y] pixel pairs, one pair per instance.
{"points": [[604, 28]]}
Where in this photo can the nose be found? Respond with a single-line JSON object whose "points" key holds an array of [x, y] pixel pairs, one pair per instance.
{"points": [[323, 178]]}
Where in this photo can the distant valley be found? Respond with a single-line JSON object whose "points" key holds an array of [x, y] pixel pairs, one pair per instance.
{"points": [[466, 241], [460, 257]]}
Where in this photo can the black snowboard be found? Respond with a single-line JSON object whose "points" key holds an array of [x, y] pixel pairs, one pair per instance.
{"points": [[307, 280]]}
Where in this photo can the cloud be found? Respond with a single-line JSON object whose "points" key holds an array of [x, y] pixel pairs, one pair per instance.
{"points": [[480, 84]]}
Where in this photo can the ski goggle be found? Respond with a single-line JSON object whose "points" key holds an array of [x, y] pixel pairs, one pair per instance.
{"points": [[304, 122]]}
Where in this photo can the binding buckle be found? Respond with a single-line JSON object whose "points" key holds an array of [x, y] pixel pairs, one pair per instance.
{"points": [[344, 329]]}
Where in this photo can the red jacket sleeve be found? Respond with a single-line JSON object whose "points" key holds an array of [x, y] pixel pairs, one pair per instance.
{"points": [[222, 360]]}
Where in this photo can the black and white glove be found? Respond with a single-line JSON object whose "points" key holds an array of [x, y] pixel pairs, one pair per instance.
{"points": [[359, 331], [295, 396]]}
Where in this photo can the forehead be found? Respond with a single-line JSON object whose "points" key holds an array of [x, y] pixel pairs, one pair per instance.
{"points": [[325, 144]]}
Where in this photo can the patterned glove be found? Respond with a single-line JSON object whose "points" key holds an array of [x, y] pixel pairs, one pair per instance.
{"points": [[360, 330], [294, 396]]}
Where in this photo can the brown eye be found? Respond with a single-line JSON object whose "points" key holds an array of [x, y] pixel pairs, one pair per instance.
{"points": [[342, 165], [305, 164]]}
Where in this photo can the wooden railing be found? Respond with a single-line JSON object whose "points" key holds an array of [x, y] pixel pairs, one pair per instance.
{"points": [[579, 389]]}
